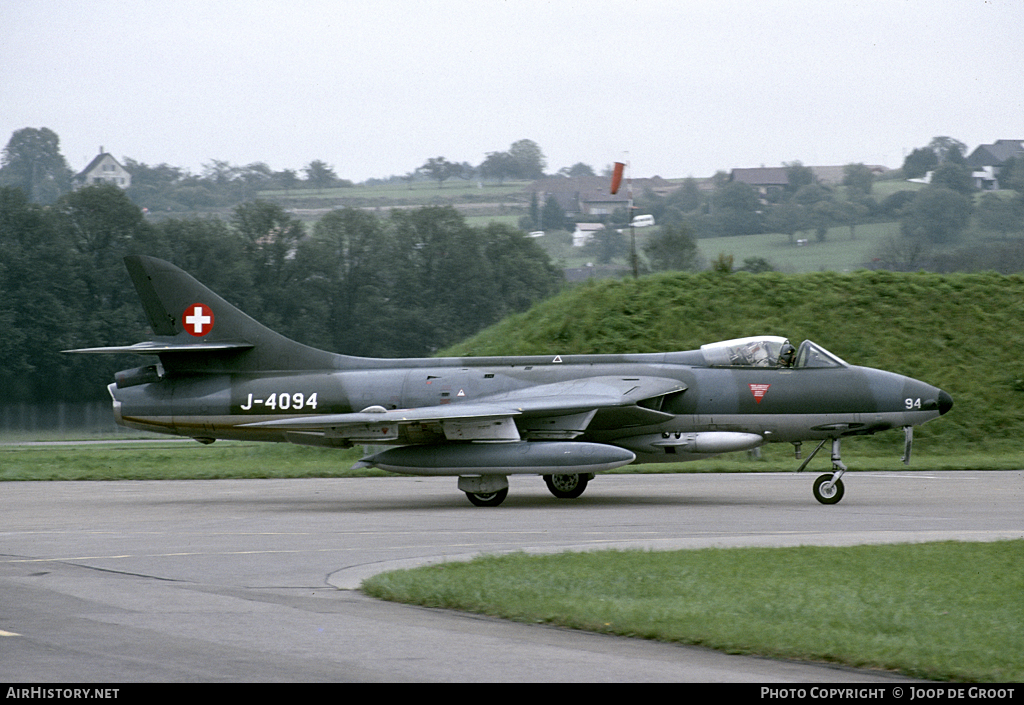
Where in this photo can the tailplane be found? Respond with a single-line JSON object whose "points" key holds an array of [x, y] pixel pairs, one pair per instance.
{"points": [[198, 331]]}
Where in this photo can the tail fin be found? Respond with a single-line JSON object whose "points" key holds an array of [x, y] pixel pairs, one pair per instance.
{"points": [[198, 331]]}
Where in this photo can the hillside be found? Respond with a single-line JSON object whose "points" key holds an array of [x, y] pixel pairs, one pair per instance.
{"points": [[961, 332]]}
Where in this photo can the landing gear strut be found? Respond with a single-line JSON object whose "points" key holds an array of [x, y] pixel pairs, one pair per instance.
{"points": [[828, 488]]}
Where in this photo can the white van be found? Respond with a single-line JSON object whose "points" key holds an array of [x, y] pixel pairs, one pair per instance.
{"points": [[642, 221]]}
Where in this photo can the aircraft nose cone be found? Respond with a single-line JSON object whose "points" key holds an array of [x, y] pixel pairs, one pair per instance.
{"points": [[945, 402]]}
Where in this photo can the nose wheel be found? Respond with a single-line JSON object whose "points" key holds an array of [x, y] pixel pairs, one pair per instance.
{"points": [[828, 488]]}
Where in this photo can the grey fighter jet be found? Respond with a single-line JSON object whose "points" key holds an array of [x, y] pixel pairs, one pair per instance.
{"points": [[221, 374]]}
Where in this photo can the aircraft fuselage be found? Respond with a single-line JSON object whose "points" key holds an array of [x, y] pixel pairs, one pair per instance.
{"points": [[781, 405]]}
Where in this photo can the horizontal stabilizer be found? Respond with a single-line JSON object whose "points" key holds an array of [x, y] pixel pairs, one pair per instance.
{"points": [[152, 347]]}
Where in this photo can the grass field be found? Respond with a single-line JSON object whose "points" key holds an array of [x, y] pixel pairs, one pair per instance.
{"points": [[838, 252], [423, 193], [172, 459], [945, 611]]}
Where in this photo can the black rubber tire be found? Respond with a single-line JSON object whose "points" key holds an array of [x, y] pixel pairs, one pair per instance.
{"points": [[566, 486], [831, 497], [491, 499]]}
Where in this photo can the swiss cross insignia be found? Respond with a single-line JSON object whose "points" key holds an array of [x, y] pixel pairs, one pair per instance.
{"points": [[198, 320]]}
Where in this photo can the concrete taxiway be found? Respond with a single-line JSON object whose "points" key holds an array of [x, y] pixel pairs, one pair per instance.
{"points": [[255, 580]]}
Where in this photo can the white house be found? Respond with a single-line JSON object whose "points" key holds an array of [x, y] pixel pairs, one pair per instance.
{"points": [[104, 169]]}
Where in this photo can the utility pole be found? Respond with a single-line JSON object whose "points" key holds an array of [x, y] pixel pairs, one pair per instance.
{"points": [[620, 168]]}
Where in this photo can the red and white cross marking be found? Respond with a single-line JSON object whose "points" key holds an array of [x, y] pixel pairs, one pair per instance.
{"points": [[198, 320], [758, 390]]}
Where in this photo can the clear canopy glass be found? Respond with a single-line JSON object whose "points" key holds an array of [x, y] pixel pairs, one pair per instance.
{"points": [[768, 351]]}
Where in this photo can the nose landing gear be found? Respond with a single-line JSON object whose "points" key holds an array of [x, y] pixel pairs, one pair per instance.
{"points": [[828, 488]]}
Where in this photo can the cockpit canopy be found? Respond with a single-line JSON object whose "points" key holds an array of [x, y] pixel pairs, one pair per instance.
{"points": [[768, 351]]}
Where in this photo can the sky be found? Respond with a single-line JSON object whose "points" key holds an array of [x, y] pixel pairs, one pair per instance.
{"points": [[376, 87]]}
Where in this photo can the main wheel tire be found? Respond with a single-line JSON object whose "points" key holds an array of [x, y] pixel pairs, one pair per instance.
{"points": [[830, 496], [566, 486], [489, 499]]}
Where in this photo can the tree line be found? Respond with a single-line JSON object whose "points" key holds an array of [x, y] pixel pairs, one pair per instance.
{"points": [[403, 285], [32, 161]]}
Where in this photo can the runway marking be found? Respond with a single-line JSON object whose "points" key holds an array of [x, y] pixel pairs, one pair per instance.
{"points": [[3, 633]]}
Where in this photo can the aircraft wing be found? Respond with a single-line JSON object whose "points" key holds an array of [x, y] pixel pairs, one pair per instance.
{"points": [[559, 410]]}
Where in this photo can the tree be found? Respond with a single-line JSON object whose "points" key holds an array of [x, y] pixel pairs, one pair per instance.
{"points": [[947, 148], [440, 169], [528, 158], [998, 214], [1011, 174], [342, 303], [936, 215], [286, 179], [789, 218], [756, 265], [905, 254], [576, 170], [153, 186], [271, 236], [499, 165], [320, 174], [953, 175], [858, 179], [552, 216], [688, 197], [521, 272], [673, 249], [41, 308], [853, 213], [210, 251], [437, 281], [102, 225], [32, 162], [607, 244], [735, 210], [722, 263], [798, 176], [737, 196], [919, 162]]}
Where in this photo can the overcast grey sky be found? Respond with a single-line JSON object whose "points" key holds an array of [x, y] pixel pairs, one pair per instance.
{"points": [[376, 87]]}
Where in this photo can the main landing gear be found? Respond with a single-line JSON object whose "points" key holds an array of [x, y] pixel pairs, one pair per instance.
{"points": [[566, 486], [828, 488], [491, 490]]}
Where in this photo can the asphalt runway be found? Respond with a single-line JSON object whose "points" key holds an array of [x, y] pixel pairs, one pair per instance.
{"points": [[255, 580]]}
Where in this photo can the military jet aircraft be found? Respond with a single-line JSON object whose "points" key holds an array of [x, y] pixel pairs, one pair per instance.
{"points": [[223, 375]]}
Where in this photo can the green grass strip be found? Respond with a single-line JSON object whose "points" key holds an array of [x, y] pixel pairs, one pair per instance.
{"points": [[187, 460], [944, 611]]}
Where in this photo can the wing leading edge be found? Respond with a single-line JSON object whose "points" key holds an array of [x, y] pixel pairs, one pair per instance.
{"points": [[561, 410]]}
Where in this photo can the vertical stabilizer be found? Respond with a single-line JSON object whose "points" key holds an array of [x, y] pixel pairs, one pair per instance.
{"points": [[194, 321]]}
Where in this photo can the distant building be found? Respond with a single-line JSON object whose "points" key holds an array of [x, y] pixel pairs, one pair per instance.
{"points": [[104, 169], [584, 233], [764, 179], [591, 195], [987, 160]]}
